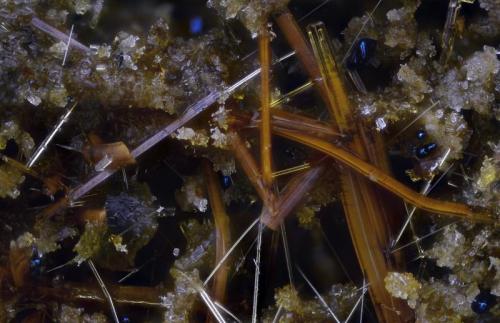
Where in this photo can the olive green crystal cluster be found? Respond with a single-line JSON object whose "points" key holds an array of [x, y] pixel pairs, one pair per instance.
{"points": [[340, 299], [10, 176]]}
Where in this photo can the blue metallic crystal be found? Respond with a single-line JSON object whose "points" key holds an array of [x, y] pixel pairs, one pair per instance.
{"points": [[483, 302], [361, 53]]}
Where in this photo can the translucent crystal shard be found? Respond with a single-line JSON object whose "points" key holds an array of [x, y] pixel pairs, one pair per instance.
{"points": [[337, 96], [44, 144]]}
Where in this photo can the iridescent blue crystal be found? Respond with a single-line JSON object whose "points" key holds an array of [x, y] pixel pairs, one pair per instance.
{"points": [[483, 302], [421, 134], [425, 150], [196, 25], [226, 181], [361, 53]]}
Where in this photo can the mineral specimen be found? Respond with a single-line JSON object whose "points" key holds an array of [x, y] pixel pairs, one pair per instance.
{"points": [[143, 77]]}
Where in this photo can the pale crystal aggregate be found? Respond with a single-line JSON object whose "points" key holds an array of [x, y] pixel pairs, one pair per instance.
{"points": [[252, 13]]}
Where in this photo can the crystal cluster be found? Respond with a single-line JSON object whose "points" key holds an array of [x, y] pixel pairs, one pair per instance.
{"points": [[90, 242], [10, 130], [49, 235], [397, 31], [134, 82], [223, 162], [467, 251], [180, 303], [484, 189], [404, 286], [422, 88], [195, 138], [199, 251], [200, 245], [306, 216], [340, 299], [472, 85], [252, 13], [450, 130], [433, 301], [401, 29], [11, 177], [413, 83], [192, 196], [131, 71], [69, 314], [113, 236], [132, 223], [397, 37], [436, 304], [323, 194]]}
